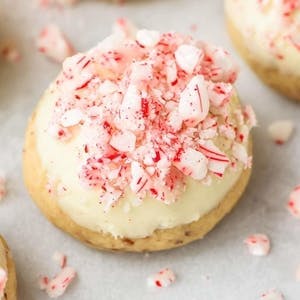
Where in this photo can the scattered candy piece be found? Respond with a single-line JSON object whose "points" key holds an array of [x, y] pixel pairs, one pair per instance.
{"points": [[3, 280], [47, 3], [56, 286], [280, 131], [60, 258], [52, 42], [2, 187], [163, 278], [294, 202], [258, 244], [298, 274], [272, 295], [9, 51]]}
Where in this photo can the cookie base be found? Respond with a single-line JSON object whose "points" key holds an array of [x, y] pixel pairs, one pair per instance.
{"points": [[10, 292], [161, 239], [287, 84]]}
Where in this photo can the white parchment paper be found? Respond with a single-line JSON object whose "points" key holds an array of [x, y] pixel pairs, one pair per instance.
{"points": [[233, 273]]}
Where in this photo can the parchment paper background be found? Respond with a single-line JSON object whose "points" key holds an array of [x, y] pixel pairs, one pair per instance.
{"points": [[234, 274]]}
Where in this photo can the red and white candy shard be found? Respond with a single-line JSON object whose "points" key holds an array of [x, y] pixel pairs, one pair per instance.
{"points": [[194, 102], [294, 202], [258, 244], [57, 286], [2, 187], [272, 295], [148, 38], [53, 44], [187, 57], [3, 280], [163, 278], [60, 258], [9, 52], [152, 107], [281, 131], [193, 163]]}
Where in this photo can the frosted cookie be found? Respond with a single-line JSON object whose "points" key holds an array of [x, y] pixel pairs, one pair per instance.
{"points": [[267, 35], [8, 281], [141, 143]]}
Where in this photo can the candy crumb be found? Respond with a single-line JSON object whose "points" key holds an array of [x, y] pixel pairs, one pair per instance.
{"points": [[258, 244], [294, 202], [298, 274], [60, 258], [280, 131], [163, 278], [2, 187], [272, 295], [53, 43], [56, 286]]}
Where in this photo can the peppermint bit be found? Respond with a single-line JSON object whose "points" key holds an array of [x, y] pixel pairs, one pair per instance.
{"points": [[57, 286], [163, 278], [294, 202], [272, 295], [281, 131], [258, 244], [298, 274], [60, 258], [53, 44], [2, 187]]}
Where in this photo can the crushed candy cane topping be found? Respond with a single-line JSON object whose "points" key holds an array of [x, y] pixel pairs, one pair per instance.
{"points": [[163, 278], [258, 244], [294, 202], [56, 286], [3, 281], [53, 43], [281, 131], [154, 108], [2, 187], [272, 295]]}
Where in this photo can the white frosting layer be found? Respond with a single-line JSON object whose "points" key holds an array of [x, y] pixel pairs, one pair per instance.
{"points": [[272, 38], [127, 218]]}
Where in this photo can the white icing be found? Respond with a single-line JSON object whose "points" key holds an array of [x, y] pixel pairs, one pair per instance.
{"points": [[129, 218]]}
